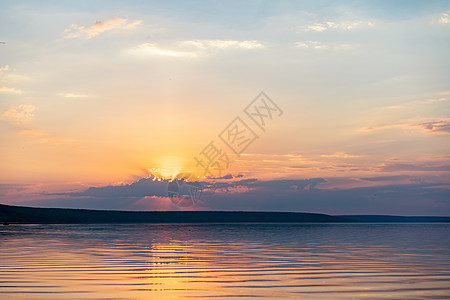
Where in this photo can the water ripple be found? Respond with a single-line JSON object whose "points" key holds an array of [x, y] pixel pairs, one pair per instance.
{"points": [[225, 261]]}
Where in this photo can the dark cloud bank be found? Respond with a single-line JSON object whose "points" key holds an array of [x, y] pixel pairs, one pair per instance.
{"points": [[416, 198]]}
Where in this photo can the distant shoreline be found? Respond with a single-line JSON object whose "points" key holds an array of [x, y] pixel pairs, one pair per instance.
{"points": [[10, 214]]}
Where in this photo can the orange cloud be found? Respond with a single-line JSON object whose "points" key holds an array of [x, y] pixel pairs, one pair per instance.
{"points": [[339, 155], [75, 31], [21, 113]]}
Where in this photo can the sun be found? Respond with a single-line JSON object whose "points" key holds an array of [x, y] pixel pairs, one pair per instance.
{"points": [[169, 166]]}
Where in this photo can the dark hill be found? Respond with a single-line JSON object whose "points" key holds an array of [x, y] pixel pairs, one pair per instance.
{"points": [[20, 214], [395, 219]]}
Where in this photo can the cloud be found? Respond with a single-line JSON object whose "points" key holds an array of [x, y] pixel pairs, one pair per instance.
{"points": [[7, 189], [144, 187], [316, 27], [444, 19], [148, 193], [43, 137], [400, 179], [286, 184], [10, 90], [319, 45], [309, 44], [154, 49], [195, 48], [436, 127], [433, 127], [72, 95], [223, 44], [414, 167], [442, 98], [228, 176], [386, 178], [373, 128], [5, 68], [252, 184], [340, 155], [410, 195], [21, 113], [24, 113], [386, 199], [75, 31], [152, 203], [133, 24], [345, 26]]}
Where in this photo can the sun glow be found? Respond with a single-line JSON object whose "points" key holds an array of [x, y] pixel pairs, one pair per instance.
{"points": [[168, 167]]}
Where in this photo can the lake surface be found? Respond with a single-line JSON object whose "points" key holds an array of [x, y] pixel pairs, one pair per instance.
{"points": [[225, 261]]}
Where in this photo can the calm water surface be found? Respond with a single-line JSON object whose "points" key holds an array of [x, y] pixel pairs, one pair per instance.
{"points": [[225, 261]]}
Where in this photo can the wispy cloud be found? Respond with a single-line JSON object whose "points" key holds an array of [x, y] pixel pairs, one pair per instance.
{"points": [[442, 98], [20, 114], [222, 44], [417, 167], [195, 48], [320, 45], [9, 90], [72, 95], [433, 127], [436, 127], [379, 127], [75, 31], [43, 137], [309, 44], [155, 49], [445, 18], [340, 155], [345, 26]]}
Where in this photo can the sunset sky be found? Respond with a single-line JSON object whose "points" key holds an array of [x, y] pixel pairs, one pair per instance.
{"points": [[98, 97]]}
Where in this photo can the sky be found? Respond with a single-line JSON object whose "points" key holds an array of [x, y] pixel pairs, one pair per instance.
{"points": [[337, 107]]}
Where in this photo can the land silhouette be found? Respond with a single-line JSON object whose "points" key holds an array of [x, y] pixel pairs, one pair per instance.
{"points": [[10, 214]]}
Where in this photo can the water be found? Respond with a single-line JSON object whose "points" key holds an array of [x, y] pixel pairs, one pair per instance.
{"points": [[225, 261]]}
